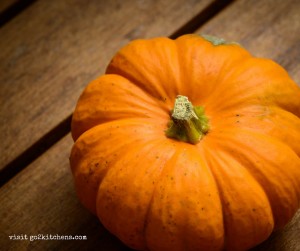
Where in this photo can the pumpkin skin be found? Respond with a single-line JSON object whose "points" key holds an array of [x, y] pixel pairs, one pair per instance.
{"points": [[227, 192]]}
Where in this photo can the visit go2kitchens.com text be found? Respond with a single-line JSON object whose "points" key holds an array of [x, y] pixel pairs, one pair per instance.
{"points": [[45, 237]]}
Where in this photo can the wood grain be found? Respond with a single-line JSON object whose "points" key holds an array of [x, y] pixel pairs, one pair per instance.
{"points": [[9, 9], [54, 48], [41, 200]]}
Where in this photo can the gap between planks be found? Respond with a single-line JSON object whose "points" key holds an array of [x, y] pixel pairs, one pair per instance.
{"points": [[63, 128], [10, 9]]}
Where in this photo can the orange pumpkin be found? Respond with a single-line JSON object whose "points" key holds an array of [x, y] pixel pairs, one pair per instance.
{"points": [[189, 144]]}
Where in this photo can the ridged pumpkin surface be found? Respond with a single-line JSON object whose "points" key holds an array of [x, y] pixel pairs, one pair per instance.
{"points": [[227, 192]]}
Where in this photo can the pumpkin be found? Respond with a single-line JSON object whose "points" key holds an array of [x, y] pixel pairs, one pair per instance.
{"points": [[188, 144]]}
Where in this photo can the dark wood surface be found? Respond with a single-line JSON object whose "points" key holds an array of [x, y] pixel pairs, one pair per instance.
{"points": [[6, 4], [52, 49]]}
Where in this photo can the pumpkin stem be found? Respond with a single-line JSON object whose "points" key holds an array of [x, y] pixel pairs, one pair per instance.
{"points": [[188, 123]]}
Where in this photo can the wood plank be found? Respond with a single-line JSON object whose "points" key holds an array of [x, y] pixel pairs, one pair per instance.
{"points": [[42, 200], [54, 48], [268, 29]]}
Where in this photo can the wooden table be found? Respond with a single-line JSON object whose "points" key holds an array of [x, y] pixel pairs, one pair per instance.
{"points": [[49, 51]]}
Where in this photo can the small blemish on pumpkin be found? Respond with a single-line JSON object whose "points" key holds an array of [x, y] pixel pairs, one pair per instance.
{"points": [[253, 209], [91, 171]]}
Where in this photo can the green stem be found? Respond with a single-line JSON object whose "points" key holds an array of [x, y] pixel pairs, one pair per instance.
{"points": [[188, 123]]}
